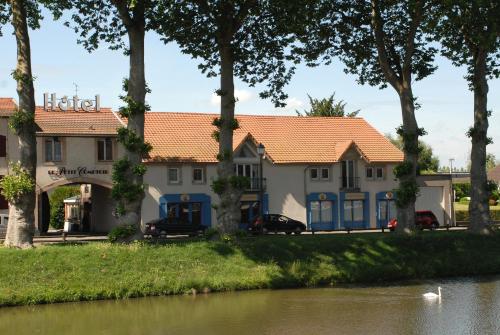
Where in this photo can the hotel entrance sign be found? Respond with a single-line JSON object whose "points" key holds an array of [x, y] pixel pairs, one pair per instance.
{"points": [[64, 104]]}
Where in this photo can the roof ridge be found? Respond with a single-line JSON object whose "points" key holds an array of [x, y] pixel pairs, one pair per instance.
{"points": [[260, 115]]}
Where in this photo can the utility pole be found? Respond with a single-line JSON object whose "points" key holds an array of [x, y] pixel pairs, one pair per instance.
{"points": [[451, 165]]}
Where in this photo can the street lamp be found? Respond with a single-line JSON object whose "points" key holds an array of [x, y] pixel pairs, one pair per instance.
{"points": [[260, 151]]}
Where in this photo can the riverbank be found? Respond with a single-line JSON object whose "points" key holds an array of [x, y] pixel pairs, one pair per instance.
{"points": [[61, 273]]}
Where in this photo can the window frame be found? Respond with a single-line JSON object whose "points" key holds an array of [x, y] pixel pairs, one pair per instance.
{"points": [[369, 168], [352, 210], [52, 141], [377, 169], [316, 169], [325, 169], [104, 139], [178, 181], [203, 175]]}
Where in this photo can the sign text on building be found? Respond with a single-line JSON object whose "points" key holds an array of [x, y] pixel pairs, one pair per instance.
{"points": [[64, 104], [75, 172]]}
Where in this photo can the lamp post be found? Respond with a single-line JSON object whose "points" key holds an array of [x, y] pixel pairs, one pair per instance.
{"points": [[260, 150]]}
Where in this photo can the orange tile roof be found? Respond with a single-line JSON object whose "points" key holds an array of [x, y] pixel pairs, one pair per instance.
{"points": [[7, 106], [76, 123], [288, 139]]}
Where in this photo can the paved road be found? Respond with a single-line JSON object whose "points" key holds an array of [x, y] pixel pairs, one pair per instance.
{"points": [[80, 238]]}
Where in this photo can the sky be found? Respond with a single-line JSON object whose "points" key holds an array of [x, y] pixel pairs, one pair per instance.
{"points": [[178, 86]]}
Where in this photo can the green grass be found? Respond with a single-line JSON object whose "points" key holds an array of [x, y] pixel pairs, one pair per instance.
{"points": [[58, 273]]}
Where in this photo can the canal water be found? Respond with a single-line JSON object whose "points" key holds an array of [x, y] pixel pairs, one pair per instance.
{"points": [[467, 306]]}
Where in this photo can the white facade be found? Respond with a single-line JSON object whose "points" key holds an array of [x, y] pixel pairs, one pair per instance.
{"points": [[350, 193]]}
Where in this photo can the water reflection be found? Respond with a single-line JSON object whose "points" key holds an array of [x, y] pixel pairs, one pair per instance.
{"points": [[468, 306]]}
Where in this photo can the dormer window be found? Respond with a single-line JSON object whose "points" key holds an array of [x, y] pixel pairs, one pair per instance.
{"points": [[53, 149]]}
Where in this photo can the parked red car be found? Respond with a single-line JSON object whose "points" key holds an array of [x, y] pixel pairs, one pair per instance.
{"points": [[423, 220]]}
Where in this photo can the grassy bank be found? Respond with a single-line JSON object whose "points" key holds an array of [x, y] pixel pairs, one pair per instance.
{"points": [[56, 273]]}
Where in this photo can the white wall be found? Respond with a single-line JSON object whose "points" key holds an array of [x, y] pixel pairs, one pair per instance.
{"points": [[285, 187]]}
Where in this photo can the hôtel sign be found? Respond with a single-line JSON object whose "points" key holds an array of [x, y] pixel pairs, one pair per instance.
{"points": [[80, 171], [76, 104]]}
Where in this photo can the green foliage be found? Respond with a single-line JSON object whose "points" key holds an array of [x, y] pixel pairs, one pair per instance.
{"points": [[139, 169], [210, 233], [216, 135], [122, 188], [121, 233], [409, 142], [406, 193], [57, 205], [17, 183], [327, 107], [464, 27], [219, 186], [19, 76], [463, 215], [491, 161], [343, 29], [462, 190], [21, 120], [427, 161], [253, 31], [239, 182], [225, 156], [133, 142], [57, 216], [403, 169]]}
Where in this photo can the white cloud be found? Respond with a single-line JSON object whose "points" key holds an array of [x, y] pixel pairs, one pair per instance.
{"points": [[241, 95], [293, 104]]}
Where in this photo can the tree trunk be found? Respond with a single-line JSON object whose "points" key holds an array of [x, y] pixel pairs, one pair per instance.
{"points": [[22, 212], [406, 210], [479, 206], [136, 91], [228, 211]]}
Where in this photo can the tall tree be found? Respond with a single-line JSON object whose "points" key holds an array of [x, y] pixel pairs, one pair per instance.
{"points": [[110, 21], [469, 31], [427, 161], [241, 39], [327, 107], [19, 186], [383, 43]]}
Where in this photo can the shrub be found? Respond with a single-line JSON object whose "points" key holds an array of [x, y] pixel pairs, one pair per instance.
{"points": [[461, 190], [57, 204], [121, 233], [57, 216], [464, 215], [211, 233], [464, 200]]}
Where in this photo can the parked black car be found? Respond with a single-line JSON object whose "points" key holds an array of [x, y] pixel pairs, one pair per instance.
{"points": [[276, 223], [172, 226]]}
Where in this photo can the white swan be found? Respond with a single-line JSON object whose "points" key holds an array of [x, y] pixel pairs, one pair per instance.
{"points": [[432, 295]]}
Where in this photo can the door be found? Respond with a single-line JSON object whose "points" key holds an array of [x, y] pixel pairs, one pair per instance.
{"points": [[322, 215], [386, 211]]}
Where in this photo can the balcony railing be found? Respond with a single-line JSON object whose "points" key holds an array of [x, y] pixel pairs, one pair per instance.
{"points": [[255, 184], [349, 183]]}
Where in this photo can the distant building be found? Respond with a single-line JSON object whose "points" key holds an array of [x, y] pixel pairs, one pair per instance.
{"points": [[494, 174]]}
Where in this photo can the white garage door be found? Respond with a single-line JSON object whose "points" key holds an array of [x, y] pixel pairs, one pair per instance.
{"points": [[431, 198]]}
